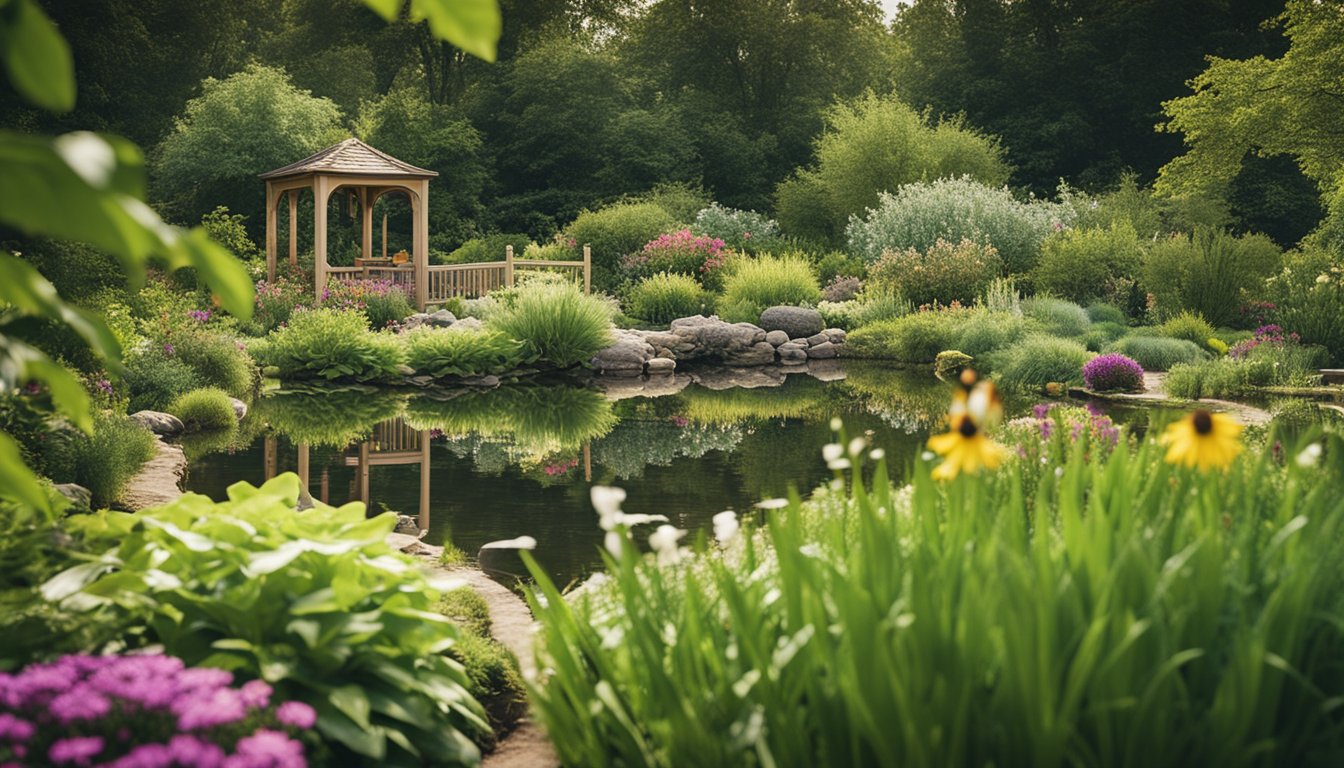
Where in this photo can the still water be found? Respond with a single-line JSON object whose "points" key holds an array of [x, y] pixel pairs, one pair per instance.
{"points": [[519, 460]]}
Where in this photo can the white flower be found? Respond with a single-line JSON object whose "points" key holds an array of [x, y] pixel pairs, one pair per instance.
{"points": [[664, 543], [726, 526], [612, 541], [926, 456], [836, 424], [857, 445], [838, 464], [607, 500], [624, 519], [522, 542], [1309, 455], [877, 454], [832, 451], [1322, 278], [772, 503]]}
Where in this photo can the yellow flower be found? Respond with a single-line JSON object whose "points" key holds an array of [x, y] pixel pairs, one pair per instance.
{"points": [[965, 447], [1203, 439]]}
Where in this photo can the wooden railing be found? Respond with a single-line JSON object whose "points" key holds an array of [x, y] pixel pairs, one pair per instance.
{"points": [[468, 281]]}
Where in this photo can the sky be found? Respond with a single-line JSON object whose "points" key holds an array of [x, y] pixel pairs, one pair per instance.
{"points": [[889, 7]]}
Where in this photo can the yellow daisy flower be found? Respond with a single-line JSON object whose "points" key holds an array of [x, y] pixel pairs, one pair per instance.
{"points": [[965, 446], [1203, 439]]}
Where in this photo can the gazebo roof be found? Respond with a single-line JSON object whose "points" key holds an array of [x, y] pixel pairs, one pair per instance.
{"points": [[351, 157]]}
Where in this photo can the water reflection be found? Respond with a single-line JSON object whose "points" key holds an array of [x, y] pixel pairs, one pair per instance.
{"points": [[480, 465]]}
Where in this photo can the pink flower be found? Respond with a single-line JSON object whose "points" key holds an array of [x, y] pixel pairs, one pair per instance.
{"points": [[256, 694], [75, 751], [296, 714]]}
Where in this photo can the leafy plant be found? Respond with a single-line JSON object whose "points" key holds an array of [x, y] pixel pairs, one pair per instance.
{"points": [[331, 344], [942, 274], [1307, 295], [1079, 264], [1190, 326], [615, 232], [1040, 360], [1157, 353], [665, 297], [1211, 272], [1057, 316], [556, 322], [204, 410], [914, 338], [767, 281], [381, 301], [315, 603], [744, 231], [441, 352], [107, 459], [156, 379]]}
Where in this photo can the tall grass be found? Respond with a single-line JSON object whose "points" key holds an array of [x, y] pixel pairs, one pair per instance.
{"points": [[1039, 360], [556, 322], [758, 284], [1158, 353], [1123, 613], [105, 461]]}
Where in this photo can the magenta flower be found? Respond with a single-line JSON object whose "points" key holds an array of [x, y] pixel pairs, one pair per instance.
{"points": [[296, 714], [1112, 371], [14, 728], [78, 750], [267, 749]]}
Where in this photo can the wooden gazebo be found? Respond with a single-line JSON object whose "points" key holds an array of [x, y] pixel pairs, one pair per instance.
{"points": [[370, 174]]}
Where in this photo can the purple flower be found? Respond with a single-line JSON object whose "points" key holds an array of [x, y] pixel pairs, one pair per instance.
{"points": [[296, 714], [1112, 371], [79, 703], [168, 349], [207, 710], [189, 750], [14, 728], [200, 315], [256, 694], [77, 750], [103, 386], [146, 756], [267, 749]]}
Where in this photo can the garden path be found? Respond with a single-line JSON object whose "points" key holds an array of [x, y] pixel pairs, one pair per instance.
{"points": [[1155, 393], [157, 481]]}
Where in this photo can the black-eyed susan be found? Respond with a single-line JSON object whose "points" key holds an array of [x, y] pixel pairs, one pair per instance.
{"points": [[1203, 439], [966, 447]]}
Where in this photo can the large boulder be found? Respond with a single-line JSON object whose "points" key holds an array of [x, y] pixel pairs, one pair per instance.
{"points": [[625, 356], [797, 322], [158, 422], [761, 353], [80, 498]]}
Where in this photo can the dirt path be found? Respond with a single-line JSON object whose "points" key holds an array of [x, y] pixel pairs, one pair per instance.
{"points": [[157, 481]]}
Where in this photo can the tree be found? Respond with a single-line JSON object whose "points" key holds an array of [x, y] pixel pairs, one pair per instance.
{"points": [[1289, 106], [246, 124]]}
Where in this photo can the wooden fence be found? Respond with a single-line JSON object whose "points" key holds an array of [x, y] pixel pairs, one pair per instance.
{"points": [[468, 281]]}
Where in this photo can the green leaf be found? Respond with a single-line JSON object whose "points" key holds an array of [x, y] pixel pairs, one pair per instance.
{"points": [[17, 482], [30, 293], [388, 9], [472, 25], [20, 362], [37, 58], [353, 703], [71, 580]]}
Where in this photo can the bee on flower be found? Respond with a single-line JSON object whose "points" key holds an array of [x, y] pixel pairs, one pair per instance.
{"points": [[966, 447], [1203, 439]]}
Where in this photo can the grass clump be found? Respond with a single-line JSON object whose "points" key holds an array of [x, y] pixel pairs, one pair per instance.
{"points": [[1057, 316], [1106, 313], [492, 671], [1040, 360], [1206, 378], [767, 281], [106, 460], [205, 410], [332, 344], [665, 297], [1157, 353], [914, 338], [441, 352], [1190, 326], [556, 322]]}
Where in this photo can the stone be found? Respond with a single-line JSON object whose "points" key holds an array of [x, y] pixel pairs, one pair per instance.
{"points": [[422, 381], [239, 408], [80, 498], [405, 370], [949, 364], [440, 319], [467, 324], [823, 351], [826, 370], [836, 335], [627, 353], [718, 378], [488, 381], [158, 422], [777, 338], [791, 355], [817, 338], [661, 365], [762, 353], [797, 344], [407, 525], [795, 321], [757, 333]]}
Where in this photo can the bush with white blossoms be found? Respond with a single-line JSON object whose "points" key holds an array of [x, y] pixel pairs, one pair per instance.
{"points": [[146, 711]]}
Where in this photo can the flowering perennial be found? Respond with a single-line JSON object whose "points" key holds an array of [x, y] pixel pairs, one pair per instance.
{"points": [[1112, 371]]}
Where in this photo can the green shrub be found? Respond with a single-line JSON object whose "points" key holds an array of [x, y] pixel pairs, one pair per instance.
{"points": [[441, 352], [1080, 264], [981, 332], [488, 248], [332, 344], [491, 669], [156, 379], [864, 309], [1190, 326], [1057, 316], [315, 602], [743, 231], [767, 281], [77, 271], [614, 232], [1101, 335], [1212, 273], [106, 460], [275, 302], [1206, 378], [839, 264], [1106, 313], [1308, 294], [467, 609], [1157, 353], [943, 274], [556, 322], [666, 297], [216, 360], [204, 409], [1039, 360], [379, 300], [914, 338], [921, 214]]}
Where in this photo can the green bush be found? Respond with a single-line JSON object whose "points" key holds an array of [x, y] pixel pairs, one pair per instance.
{"points": [[1308, 294], [943, 274], [315, 602], [204, 409], [1190, 326], [556, 322], [77, 271], [1212, 273], [1128, 611], [1057, 316], [1106, 313], [665, 297], [492, 671], [106, 460], [1039, 360], [743, 231], [156, 379], [838, 264], [332, 344], [1157, 353], [914, 338], [919, 215], [767, 281], [1079, 264], [1100, 335], [216, 360], [980, 332], [488, 248], [614, 232], [441, 352], [1206, 378]]}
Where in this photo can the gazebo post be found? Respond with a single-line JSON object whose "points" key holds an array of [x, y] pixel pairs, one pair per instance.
{"points": [[294, 230], [319, 236], [421, 245], [270, 232], [366, 222]]}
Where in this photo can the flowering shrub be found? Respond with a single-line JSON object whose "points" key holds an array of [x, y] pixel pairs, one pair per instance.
{"points": [[841, 288], [1112, 371], [942, 274], [381, 301], [275, 302], [1266, 334], [141, 711], [679, 252], [741, 230]]}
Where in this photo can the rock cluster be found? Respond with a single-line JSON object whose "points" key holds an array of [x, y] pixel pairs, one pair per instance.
{"points": [[633, 352]]}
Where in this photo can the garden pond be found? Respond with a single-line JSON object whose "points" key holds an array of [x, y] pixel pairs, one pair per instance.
{"points": [[519, 459]]}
